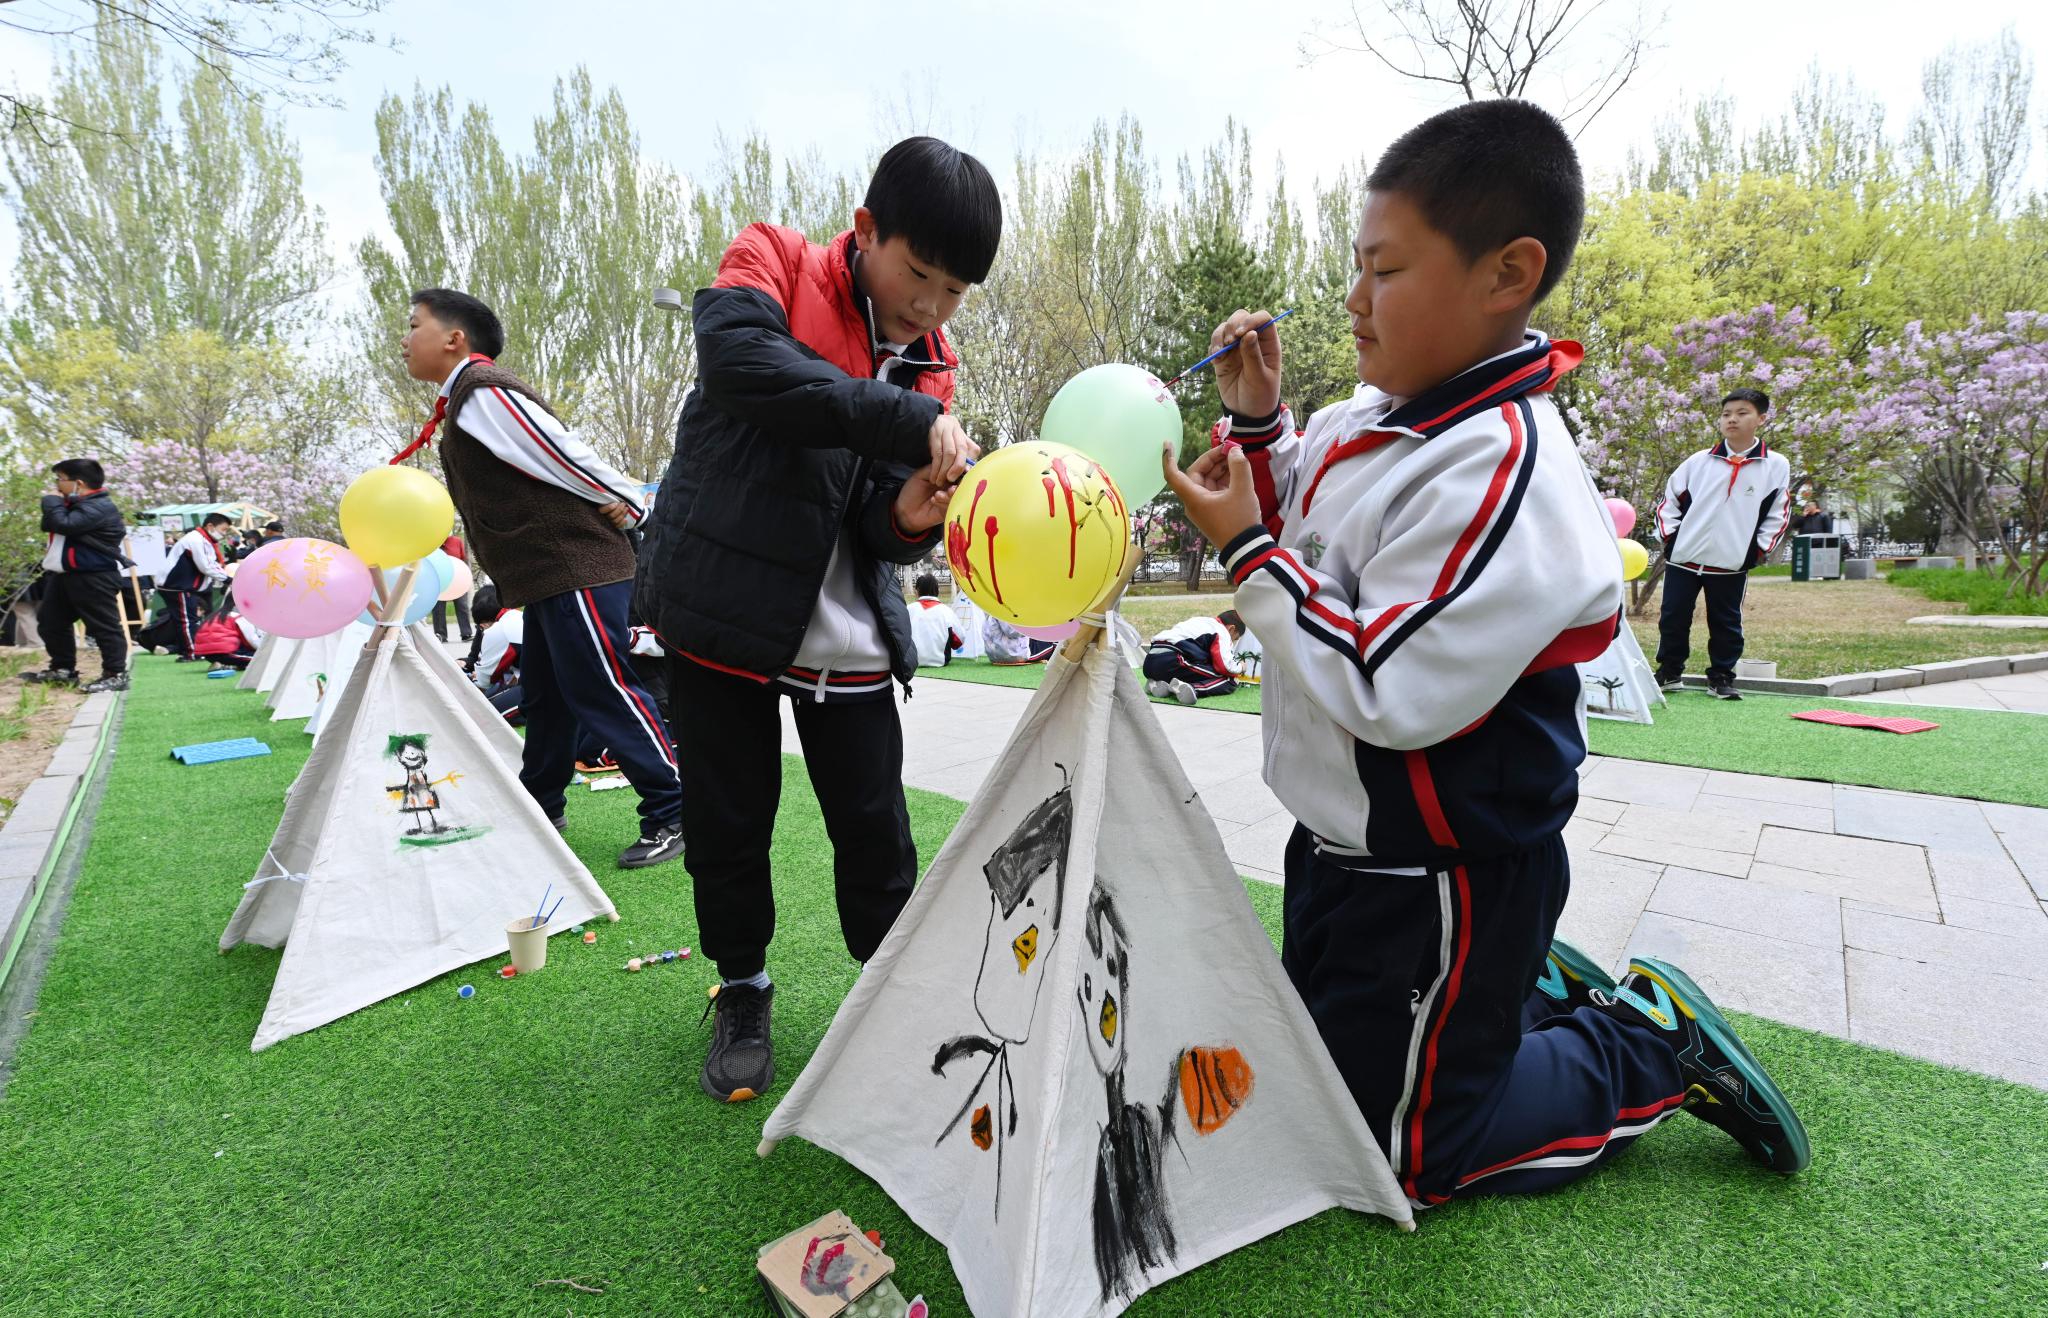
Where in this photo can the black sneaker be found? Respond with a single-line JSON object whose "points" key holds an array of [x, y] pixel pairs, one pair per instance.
{"points": [[1569, 977], [1724, 1082], [1670, 681], [1723, 688], [52, 677], [111, 682], [665, 843], [561, 823], [741, 1063], [190, 659]]}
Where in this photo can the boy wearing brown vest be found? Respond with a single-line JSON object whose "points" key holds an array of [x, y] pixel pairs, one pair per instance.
{"points": [[546, 518]]}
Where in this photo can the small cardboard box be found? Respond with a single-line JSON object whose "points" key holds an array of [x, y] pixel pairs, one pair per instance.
{"points": [[827, 1269]]}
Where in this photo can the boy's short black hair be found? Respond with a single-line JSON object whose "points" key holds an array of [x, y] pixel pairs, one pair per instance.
{"points": [[88, 471], [218, 519], [1488, 172], [926, 584], [485, 607], [1756, 398], [942, 201], [1232, 619], [461, 311], [274, 526]]}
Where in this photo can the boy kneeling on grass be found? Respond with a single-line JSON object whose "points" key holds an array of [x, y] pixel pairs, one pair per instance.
{"points": [[1431, 562]]}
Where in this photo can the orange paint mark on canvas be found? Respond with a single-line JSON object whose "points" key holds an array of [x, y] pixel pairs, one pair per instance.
{"points": [[1214, 1084]]}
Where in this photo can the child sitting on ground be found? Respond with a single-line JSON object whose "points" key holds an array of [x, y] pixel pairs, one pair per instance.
{"points": [[1195, 658], [1424, 566], [1009, 648], [934, 627]]}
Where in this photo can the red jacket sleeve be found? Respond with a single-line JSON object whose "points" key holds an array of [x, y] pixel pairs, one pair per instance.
{"points": [[764, 257]]}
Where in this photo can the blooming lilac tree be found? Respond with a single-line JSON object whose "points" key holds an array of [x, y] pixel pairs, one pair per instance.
{"points": [[303, 493], [1967, 411], [1653, 405]]}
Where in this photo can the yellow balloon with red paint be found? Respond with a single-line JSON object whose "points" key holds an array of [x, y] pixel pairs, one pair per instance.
{"points": [[1036, 533]]}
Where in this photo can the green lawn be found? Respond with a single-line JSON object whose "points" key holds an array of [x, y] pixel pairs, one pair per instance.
{"points": [[430, 1155], [1978, 592], [1986, 754]]}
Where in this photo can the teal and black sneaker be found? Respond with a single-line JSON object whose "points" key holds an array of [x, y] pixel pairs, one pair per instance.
{"points": [[1569, 975], [1724, 1082]]}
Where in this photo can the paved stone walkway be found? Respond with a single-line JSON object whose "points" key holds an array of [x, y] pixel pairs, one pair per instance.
{"points": [[2025, 693], [1914, 923]]}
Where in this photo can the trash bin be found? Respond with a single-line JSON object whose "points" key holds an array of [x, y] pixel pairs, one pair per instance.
{"points": [[1817, 557]]}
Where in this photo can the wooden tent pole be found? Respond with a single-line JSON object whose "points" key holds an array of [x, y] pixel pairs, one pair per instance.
{"points": [[1077, 644]]}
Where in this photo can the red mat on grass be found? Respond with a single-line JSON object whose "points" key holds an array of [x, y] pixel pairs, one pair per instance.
{"points": [[1844, 719]]}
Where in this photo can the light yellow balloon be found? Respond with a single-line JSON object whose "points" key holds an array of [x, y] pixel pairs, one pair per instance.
{"points": [[1635, 560], [1036, 533], [393, 515]]}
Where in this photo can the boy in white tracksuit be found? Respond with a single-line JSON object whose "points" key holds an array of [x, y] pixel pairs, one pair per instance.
{"points": [[1722, 513], [1196, 658], [933, 626], [1425, 565]]}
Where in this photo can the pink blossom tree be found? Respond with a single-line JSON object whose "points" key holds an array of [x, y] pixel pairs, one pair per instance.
{"points": [[302, 492]]}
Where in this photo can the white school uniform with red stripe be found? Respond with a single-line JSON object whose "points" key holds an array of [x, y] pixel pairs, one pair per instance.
{"points": [[1428, 571], [936, 629], [1215, 638], [1722, 511], [535, 442]]}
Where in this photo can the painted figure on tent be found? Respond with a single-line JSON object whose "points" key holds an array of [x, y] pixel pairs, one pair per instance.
{"points": [[1133, 1221], [417, 796], [1027, 879]]}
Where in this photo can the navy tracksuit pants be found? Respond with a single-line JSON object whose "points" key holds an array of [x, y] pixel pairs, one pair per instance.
{"points": [[1190, 661], [576, 684], [189, 607], [1421, 985], [1682, 590]]}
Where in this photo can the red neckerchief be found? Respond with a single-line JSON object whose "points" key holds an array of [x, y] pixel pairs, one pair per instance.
{"points": [[434, 421]]}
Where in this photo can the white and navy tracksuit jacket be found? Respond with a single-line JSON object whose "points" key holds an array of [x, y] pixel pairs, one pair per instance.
{"points": [[196, 563], [1427, 574], [1200, 652], [936, 630], [1724, 512], [1430, 571]]}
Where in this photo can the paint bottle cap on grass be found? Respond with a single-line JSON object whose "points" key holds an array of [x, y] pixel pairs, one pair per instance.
{"points": [[590, 936], [634, 964], [508, 972], [575, 928], [466, 991]]}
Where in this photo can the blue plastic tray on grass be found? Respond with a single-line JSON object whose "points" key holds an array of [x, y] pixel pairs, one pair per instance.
{"points": [[209, 752]]}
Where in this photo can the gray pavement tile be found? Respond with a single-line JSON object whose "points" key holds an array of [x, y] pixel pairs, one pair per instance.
{"points": [[1262, 845], [1929, 914], [1852, 857], [22, 851], [1995, 917], [1731, 863], [42, 804], [1716, 832], [1606, 900], [68, 762], [2023, 956], [1597, 810], [1901, 891], [1241, 800], [1924, 821], [1927, 1010], [1583, 834], [1763, 787], [1642, 783], [1274, 877], [960, 781], [14, 895], [1770, 977], [1758, 908], [1814, 819], [1974, 877], [2024, 831], [94, 711]]}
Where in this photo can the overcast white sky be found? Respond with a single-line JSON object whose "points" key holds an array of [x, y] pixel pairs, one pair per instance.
{"points": [[994, 77]]}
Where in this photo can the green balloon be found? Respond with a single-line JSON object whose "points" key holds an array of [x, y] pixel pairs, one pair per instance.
{"points": [[1121, 416]]}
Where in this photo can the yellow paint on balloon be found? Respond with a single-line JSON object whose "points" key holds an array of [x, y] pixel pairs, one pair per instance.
{"points": [[1635, 560], [393, 515], [1036, 533]]}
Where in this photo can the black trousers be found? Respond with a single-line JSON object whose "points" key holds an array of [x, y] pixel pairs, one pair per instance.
{"points": [[1419, 985], [1191, 662], [462, 621], [89, 597], [729, 747], [1724, 620]]}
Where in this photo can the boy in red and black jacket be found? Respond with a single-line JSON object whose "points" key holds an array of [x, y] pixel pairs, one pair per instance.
{"points": [[82, 577], [814, 454]]}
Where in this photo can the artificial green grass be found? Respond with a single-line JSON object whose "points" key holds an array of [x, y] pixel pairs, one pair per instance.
{"points": [[1989, 755], [1244, 700], [430, 1155]]}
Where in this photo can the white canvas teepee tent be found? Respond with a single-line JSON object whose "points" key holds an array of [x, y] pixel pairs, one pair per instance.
{"points": [[273, 672], [1619, 684], [311, 667], [266, 654], [406, 847], [1097, 1076]]}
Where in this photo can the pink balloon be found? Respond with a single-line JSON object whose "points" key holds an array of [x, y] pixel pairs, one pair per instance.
{"points": [[302, 588], [1624, 516], [1058, 631], [460, 581]]}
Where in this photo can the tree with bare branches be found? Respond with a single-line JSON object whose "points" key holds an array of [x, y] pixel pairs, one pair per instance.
{"points": [[1489, 48]]}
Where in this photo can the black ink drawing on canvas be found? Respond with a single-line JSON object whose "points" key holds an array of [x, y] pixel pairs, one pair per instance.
{"points": [[1133, 1221], [1027, 879]]}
